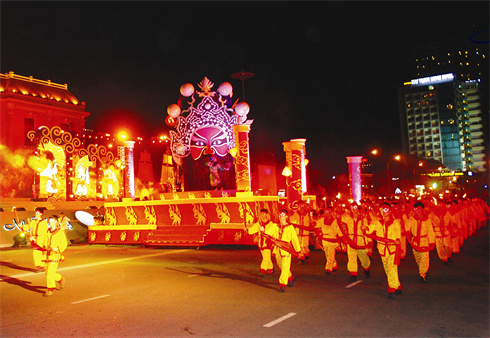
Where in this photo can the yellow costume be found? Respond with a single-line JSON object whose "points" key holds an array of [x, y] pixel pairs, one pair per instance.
{"points": [[422, 238], [37, 231], [357, 243], [55, 244], [303, 219], [265, 246], [388, 234], [287, 234], [330, 240]]}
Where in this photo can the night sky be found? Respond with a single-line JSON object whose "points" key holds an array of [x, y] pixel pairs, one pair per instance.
{"points": [[324, 71]]}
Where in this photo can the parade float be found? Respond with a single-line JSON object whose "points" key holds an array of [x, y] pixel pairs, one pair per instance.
{"points": [[211, 200]]}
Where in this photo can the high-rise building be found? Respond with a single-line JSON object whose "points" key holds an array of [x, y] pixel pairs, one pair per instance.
{"points": [[444, 110], [441, 119]]}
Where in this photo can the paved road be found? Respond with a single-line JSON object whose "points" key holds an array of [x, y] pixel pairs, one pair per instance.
{"points": [[115, 291]]}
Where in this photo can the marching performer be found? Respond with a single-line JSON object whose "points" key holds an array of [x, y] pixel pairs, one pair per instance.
{"points": [[421, 237], [265, 244], [37, 230], [286, 243], [303, 223], [357, 242], [387, 232], [55, 245], [331, 237]]}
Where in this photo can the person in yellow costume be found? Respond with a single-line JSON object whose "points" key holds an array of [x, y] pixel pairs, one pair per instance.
{"points": [[387, 232], [456, 228], [265, 244], [286, 234], [331, 237], [421, 237], [303, 223], [357, 242], [37, 230], [446, 226], [55, 244]]}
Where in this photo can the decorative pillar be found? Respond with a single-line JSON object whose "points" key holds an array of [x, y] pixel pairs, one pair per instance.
{"points": [[242, 159], [129, 190], [295, 161], [355, 177]]}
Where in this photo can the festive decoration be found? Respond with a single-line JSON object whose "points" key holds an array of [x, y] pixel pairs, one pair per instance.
{"points": [[68, 171], [204, 130]]}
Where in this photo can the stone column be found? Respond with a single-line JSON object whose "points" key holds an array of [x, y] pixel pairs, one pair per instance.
{"points": [[295, 161], [355, 177]]}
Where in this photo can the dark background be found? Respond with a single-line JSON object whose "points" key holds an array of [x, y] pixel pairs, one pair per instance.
{"points": [[324, 71]]}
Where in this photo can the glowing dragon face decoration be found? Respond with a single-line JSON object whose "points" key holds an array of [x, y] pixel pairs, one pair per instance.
{"points": [[208, 128]]}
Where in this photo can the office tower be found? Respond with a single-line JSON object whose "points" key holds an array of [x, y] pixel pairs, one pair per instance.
{"points": [[441, 119]]}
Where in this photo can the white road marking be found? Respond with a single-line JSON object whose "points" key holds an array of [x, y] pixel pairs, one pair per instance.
{"points": [[278, 320], [87, 300], [94, 264], [197, 274], [353, 284]]}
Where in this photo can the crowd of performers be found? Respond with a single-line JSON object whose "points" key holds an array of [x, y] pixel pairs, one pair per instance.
{"points": [[48, 240], [425, 224]]}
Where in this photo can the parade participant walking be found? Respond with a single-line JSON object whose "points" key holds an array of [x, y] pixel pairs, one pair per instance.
{"points": [[303, 223], [265, 244], [357, 242], [331, 237], [446, 226], [421, 237], [55, 245], [456, 228], [63, 219], [399, 211], [286, 244], [439, 232], [387, 233], [37, 230]]}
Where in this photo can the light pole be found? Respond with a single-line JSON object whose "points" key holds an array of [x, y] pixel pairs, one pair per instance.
{"points": [[397, 157], [242, 76]]}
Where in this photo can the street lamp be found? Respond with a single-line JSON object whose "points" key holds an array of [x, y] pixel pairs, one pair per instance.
{"points": [[242, 76], [397, 158]]}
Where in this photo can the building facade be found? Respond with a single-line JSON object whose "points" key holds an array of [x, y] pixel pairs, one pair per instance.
{"points": [[27, 106], [27, 103], [441, 119]]}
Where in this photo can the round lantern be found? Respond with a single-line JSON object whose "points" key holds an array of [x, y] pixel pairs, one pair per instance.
{"points": [[242, 109], [225, 89], [173, 110], [187, 89]]}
